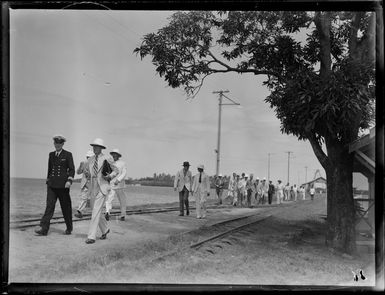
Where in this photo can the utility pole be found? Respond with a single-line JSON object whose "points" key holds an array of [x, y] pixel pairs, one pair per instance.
{"points": [[220, 104], [305, 174], [268, 166], [288, 166]]}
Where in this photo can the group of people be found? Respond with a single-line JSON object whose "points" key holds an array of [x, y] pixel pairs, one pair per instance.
{"points": [[198, 185], [244, 190], [103, 178]]}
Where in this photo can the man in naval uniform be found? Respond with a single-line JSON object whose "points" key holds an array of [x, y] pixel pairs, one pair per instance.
{"points": [[61, 171]]}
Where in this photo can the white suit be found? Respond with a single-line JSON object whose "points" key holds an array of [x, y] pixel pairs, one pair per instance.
{"points": [[84, 187], [118, 189], [99, 189], [280, 188], [200, 191]]}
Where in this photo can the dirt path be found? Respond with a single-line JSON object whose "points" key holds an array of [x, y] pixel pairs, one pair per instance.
{"points": [[288, 250]]}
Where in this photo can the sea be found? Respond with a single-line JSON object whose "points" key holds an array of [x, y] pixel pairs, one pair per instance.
{"points": [[28, 197]]}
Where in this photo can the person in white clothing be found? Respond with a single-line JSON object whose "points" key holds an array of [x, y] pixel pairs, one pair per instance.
{"points": [[302, 191], [235, 190], [242, 190], [201, 190], [99, 188], [117, 186], [279, 190], [259, 193], [84, 187], [264, 190], [295, 190], [286, 192], [312, 192], [182, 183], [230, 189]]}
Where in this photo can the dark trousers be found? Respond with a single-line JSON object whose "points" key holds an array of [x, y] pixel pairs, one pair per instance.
{"points": [[63, 194], [270, 196], [249, 192], [183, 200]]}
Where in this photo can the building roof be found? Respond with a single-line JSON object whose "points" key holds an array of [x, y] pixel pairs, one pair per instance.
{"points": [[364, 153], [315, 180]]}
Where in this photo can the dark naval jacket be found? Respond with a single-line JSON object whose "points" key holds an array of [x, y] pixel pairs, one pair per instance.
{"points": [[60, 169]]}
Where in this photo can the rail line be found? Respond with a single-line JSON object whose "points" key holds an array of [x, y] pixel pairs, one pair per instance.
{"points": [[30, 222], [229, 227]]}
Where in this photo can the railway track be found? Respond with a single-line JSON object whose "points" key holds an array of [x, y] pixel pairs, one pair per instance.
{"points": [[31, 222], [229, 232]]}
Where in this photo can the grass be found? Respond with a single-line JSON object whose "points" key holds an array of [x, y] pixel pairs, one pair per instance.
{"points": [[282, 252], [269, 258]]}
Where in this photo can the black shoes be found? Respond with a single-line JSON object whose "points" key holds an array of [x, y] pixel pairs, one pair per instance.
{"points": [[188, 213], [104, 236], [181, 214], [107, 216], [122, 218], [40, 232], [90, 241], [79, 214], [67, 232]]}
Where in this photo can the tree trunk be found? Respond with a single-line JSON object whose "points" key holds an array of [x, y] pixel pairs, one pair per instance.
{"points": [[340, 203]]}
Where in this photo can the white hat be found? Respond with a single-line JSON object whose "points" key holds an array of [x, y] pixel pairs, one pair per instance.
{"points": [[246, 175], [201, 166], [264, 178], [220, 175], [115, 151], [257, 178], [59, 137], [89, 154], [98, 142]]}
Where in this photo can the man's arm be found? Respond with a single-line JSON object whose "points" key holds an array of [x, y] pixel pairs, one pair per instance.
{"points": [[70, 170], [176, 180], [49, 167]]}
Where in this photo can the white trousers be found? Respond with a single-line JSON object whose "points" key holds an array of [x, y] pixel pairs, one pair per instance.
{"points": [[279, 197], [97, 200], [84, 196], [122, 200], [200, 203]]}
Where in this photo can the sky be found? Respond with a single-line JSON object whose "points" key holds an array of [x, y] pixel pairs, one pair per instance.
{"points": [[73, 72]]}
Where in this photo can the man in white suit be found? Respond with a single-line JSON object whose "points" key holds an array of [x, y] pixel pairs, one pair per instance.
{"points": [[99, 189], [182, 183], [201, 190], [117, 186], [84, 186]]}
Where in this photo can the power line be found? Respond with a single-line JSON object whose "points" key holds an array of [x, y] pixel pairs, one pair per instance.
{"points": [[112, 30]]}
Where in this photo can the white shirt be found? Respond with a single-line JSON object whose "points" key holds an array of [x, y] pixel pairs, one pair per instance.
{"points": [[121, 175]]}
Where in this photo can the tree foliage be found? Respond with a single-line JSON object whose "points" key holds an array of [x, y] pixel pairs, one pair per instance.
{"points": [[319, 68], [321, 85]]}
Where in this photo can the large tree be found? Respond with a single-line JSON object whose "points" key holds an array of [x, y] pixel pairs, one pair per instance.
{"points": [[319, 67]]}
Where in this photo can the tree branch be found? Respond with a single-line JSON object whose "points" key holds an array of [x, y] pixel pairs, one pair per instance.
{"points": [[356, 19], [367, 44], [232, 69], [321, 156], [322, 22]]}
